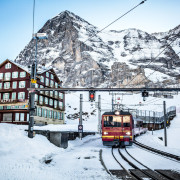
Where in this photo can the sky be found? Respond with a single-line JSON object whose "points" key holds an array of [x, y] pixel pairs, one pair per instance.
{"points": [[16, 18]]}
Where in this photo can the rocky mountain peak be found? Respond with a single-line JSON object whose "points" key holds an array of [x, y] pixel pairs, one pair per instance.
{"points": [[83, 57]]}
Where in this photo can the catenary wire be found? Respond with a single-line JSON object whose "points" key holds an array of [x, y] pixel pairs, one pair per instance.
{"points": [[155, 70], [142, 2], [167, 46]]}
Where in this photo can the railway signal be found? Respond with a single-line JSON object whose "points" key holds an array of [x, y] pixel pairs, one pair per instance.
{"points": [[91, 96], [145, 93]]}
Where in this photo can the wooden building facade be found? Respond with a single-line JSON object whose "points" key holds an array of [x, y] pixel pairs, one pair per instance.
{"points": [[14, 96]]}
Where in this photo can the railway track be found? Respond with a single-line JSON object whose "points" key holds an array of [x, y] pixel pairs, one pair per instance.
{"points": [[136, 170], [172, 156]]}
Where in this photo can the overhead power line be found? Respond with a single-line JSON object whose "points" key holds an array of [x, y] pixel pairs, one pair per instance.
{"points": [[142, 2], [155, 70], [116, 20], [177, 35]]}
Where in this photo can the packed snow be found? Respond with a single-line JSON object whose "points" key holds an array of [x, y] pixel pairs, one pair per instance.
{"points": [[36, 159]]}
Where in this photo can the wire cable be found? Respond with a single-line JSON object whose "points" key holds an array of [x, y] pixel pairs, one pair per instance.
{"points": [[116, 20], [167, 46], [155, 70], [142, 2]]}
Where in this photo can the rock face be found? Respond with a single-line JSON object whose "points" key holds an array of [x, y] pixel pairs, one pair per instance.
{"points": [[82, 56]]}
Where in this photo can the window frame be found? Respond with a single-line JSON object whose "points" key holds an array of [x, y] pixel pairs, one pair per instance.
{"points": [[1, 75], [17, 117], [8, 95], [22, 83], [13, 84], [21, 116], [8, 65], [15, 72], [47, 74], [13, 98], [42, 79], [7, 77], [22, 74], [47, 82], [23, 95]]}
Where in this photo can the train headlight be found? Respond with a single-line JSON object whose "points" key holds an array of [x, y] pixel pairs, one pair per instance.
{"points": [[128, 133], [117, 112], [105, 133]]}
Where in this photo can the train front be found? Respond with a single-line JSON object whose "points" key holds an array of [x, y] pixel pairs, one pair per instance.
{"points": [[117, 128]]}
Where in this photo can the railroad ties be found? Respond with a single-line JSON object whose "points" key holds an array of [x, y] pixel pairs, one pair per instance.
{"points": [[146, 174], [135, 172]]}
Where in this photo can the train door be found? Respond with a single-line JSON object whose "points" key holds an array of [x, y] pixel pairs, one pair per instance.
{"points": [[126, 129], [117, 127]]}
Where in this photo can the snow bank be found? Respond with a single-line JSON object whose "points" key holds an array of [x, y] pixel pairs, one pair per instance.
{"points": [[25, 159]]}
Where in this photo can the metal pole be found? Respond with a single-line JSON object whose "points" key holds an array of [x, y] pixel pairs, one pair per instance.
{"points": [[35, 62], [165, 133], [99, 114], [154, 124], [31, 106], [32, 96], [149, 115], [80, 115], [112, 102]]}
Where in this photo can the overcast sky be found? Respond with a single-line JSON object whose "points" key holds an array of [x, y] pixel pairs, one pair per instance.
{"points": [[16, 17]]}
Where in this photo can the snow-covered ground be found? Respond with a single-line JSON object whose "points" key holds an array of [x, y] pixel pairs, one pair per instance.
{"points": [[24, 158]]}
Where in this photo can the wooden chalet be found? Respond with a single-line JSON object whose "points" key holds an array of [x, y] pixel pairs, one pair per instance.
{"points": [[14, 96]]}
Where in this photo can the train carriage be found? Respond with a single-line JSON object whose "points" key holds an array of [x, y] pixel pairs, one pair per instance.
{"points": [[117, 128]]}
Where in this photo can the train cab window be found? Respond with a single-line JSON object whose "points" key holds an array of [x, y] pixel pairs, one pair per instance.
{"points": [[126, 121], [112, 121]]}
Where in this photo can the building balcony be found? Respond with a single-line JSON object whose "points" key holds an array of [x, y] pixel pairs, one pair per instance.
{"points": [[6, 90]]}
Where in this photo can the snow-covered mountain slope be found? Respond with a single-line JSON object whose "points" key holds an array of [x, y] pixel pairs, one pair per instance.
{"points": [[83, 56], [169, 36]]}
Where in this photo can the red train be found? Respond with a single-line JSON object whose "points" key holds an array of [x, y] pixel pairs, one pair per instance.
{"points": [[119, 128]]}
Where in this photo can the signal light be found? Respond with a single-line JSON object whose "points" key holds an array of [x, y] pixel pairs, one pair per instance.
{"points": [[145, 94], [91, 96]]}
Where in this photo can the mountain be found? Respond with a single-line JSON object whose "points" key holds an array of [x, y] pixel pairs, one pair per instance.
{"points": [[84, 56]]}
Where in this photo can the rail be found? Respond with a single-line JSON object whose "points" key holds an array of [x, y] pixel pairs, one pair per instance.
{"points": [[158, 151]]}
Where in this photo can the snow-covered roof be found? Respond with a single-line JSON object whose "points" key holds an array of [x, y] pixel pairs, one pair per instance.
{"points": [[40, 70], [19, 65], [43, 69]]}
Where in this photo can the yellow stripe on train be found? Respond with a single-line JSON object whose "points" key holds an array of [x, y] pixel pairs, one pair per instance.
{"points": [[121, 137]]}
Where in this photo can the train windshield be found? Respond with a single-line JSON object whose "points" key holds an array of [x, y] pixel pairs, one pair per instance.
{"points": [[126, 121], [112, 121]]}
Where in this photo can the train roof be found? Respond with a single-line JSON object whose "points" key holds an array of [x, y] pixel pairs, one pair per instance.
{"points": [[121, 113]]}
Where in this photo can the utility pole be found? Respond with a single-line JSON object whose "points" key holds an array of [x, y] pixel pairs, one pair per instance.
{"points": [[33, 82], [80, 117], [99, 114], [31, 105], [112, 102], [165, 133]]}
